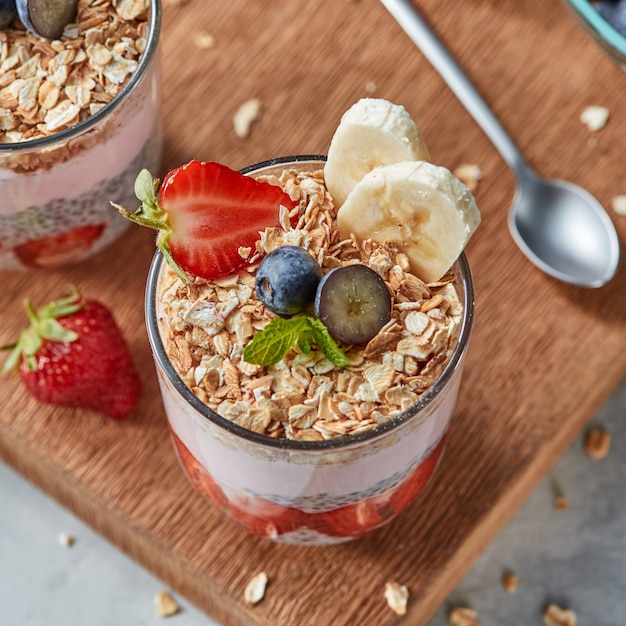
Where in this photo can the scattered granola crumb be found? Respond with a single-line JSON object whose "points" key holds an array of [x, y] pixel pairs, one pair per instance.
{"points": [[247, 113], [470, 174], [595, 117], [255, 589], [204, 40], [560, 503], [619, 205], [67, 540], [556, 616], [370, 86], [510, 582], [397, 597], [597, 443], [165, 604], [462, 616]]}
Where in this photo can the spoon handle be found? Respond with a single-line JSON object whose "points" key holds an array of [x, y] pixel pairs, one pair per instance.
{"points": [[410, 19]]}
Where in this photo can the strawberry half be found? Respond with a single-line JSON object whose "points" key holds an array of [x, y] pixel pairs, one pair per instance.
{"points": [[206, 213], [73, 354]]}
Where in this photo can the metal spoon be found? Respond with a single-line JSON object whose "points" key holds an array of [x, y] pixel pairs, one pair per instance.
{"points": [[559, 226]]}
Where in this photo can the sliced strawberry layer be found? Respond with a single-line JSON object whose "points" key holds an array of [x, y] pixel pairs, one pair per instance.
{"points": [[213, 212], [265, 518], [357, 519], [199, 477], [56, 250], [408, 490]]}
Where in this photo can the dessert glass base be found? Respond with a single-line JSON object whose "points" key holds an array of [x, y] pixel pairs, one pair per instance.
{"points": [[309, 492]]}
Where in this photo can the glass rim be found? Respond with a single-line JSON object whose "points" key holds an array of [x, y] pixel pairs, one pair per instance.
{"points": [[78, 129], [162, 360]]}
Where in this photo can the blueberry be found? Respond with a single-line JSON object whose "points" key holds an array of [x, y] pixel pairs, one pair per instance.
{"points": [[287, 279], [8, 12], [353, 302], [45, 18]]}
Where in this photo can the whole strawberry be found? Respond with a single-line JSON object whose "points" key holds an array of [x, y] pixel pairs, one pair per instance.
{"points": [[73, 354]]}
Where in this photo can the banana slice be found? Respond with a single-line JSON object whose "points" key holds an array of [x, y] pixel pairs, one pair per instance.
{"points": [[372, 132], [423, 208]]}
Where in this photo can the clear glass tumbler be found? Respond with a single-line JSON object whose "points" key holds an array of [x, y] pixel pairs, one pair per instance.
{"points": [[56, 190], [317, 492]]}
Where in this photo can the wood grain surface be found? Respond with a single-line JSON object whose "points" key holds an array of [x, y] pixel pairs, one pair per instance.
{"points": [[543, 358]]}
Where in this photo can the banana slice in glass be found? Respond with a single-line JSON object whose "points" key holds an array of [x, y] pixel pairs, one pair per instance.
{"points": [[371, 132], [423, 208]]}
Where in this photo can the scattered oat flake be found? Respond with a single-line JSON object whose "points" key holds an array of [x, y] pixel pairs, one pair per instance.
{"points": [[597, 443], [255, 589], [556, 616], [510, 582], [204, 40], [67, 540], [469, 174], [462, 616], [247, 113], [595, 117], [165, 604], [397, 597], [560, 503], [619, 205]]}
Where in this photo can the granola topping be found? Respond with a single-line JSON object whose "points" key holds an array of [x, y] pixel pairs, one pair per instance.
{"points": [[205, 326]]}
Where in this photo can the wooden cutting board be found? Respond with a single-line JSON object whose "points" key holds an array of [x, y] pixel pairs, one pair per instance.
{"points": [[544, 355]]}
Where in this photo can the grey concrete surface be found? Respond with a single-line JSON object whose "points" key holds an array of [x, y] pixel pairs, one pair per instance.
{"points": [[575, 557]]}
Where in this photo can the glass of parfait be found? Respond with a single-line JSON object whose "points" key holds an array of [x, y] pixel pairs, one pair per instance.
{"points": [[377, 429]]}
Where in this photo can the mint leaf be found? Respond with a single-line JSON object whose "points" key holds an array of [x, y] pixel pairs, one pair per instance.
{"points": [[271, 344], [326, 343], [305, 342]]}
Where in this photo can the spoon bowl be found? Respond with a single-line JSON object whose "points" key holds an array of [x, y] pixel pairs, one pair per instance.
{"points": [[559, 226], [564, 231]]}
